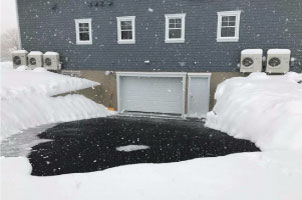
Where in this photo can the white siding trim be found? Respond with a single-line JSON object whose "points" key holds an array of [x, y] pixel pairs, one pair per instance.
{"points": [[237, 14], [78, 41], [119, 35], [182, 16], [18, 25]]}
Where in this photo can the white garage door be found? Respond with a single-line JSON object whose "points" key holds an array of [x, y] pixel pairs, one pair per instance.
{"points": [[151, 92]]}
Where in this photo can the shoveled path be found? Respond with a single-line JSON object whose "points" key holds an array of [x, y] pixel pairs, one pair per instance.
{"points": [[90, 145]]}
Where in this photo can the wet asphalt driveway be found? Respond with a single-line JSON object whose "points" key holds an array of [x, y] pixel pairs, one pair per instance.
{"points": [[91, 145]]}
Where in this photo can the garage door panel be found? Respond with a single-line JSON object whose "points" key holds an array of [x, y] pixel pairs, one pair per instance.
{"points": [[151, 94]]}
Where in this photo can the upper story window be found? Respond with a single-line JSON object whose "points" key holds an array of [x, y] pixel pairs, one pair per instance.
{"points": [[175, 28], [126, 30], [228, 26], [83, 31]]}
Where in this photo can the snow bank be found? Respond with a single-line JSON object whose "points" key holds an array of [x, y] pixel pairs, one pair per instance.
{"points": [[130, 148], [248, 176], [25, 112], [38, 82], [264, 109], [26, 99], [8, 65]]}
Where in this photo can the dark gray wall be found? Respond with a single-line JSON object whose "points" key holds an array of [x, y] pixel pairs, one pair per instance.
{"points": [[264, 24]]}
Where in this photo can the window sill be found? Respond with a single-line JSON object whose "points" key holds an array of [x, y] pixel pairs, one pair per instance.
{"points": [[227, 39], [175, 41], [83, 43], [126, 42]]}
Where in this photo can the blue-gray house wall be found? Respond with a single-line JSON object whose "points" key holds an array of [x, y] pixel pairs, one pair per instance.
{"points": [[264, 24]]}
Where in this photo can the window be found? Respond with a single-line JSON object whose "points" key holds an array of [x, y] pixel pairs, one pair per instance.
{"points": [[175, 28], [228, 26], [83, 31], [126, 30]]}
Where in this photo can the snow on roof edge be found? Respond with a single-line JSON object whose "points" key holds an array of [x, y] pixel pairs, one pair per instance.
{"points": [[278, 51], [252, 51], [49, 53], [20, 51], [32, 53]]}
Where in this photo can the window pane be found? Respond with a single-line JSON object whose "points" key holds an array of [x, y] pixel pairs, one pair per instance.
{"points": [[231, 23], [84, 36], [228, 32], [178, 25], [172, 21], [126, 35], [178, 21], [82, 25], [84, 29], [174, 33], [225, 19], [232, 18], [172, 25], [126, 25], [224, 24]]}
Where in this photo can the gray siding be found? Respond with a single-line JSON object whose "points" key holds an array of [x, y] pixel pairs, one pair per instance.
{"points": [[264, 24]]}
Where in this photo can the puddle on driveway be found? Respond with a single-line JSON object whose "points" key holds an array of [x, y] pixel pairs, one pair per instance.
{"points": [[22, 143]]}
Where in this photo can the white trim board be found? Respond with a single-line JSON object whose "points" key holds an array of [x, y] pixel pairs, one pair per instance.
{"points": [[119, 30], [18, 25], [235, 13], [181, 16], [77, 22]]}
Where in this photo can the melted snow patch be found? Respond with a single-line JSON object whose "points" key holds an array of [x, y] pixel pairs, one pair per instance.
{"points": [[130, 148]]}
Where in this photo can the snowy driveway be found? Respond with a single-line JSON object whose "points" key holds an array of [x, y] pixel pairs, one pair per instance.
{"points": [[98, 144]]}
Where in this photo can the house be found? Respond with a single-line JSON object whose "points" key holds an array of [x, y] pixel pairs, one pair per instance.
{"points": [[163, 56]]}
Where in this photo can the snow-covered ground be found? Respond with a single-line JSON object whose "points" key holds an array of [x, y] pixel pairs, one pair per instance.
{"points": [[26, 99], [264, 109], [244, 176]]}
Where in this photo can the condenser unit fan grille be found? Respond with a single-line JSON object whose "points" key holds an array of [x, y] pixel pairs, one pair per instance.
{"points": [[48, 61], [17, 60], [274, 62], [32, 61], [247, 62]]}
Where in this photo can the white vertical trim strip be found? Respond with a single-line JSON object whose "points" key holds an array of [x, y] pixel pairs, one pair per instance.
{"points": [[18, 25]]}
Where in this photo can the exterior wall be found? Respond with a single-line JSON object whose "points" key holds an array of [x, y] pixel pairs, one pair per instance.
{"points": [[264, 24], [106, 93]]}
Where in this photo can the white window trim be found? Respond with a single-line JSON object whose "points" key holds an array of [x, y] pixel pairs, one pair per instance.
{"points": [[119, 35], [183, 26], [228, 13], [78, 41]]}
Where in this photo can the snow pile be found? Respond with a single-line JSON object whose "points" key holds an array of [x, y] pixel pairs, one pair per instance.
{"points": [[38, 81], [23, 113], [130, 148], [26, 100], [248, 176], [8, 65], [264, 109]]}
